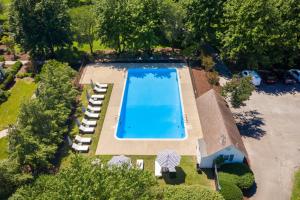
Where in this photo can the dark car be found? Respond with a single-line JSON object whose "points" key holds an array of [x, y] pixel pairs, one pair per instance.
{"points": [[288, 78], [269, 77]]}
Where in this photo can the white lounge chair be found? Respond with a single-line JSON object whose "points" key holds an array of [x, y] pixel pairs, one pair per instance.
{"points": [[95, 102], [100, 90], [91, 114], [81, 148], [86, 129], [157, 170], [101, 85], [140, 164], [89, 122], [98, 96], [85, 140], [94, 108]]}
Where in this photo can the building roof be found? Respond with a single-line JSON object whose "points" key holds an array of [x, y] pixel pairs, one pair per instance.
{"points": [[218, 126]]}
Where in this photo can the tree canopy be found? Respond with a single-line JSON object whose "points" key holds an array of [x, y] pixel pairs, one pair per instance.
{"points": [[42, 123], [83, 180], [40, 26]]}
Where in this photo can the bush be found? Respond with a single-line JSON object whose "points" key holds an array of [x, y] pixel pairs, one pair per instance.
{"points": [[213, 77], [230, 191], [23, 75], [2, 59], [8, 81], [16, 67], [193, 192], [207, 62], [238, 174], [4, 96]]}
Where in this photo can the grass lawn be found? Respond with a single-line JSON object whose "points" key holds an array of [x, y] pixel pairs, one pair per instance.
{"points": [[97, 46], [186, 172], [21, 92], [95, 136], [296, 187], [3, 148]]}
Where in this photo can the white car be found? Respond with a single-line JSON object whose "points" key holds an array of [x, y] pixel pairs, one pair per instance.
{"points": [[256, 79], [295, 73]]}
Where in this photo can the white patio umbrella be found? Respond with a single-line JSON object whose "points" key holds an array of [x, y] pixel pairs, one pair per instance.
{"points": [[168, 159], [119, 161]]}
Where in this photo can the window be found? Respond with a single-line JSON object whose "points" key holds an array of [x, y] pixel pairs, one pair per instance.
{"points": [[231, 157], [225, 157]]}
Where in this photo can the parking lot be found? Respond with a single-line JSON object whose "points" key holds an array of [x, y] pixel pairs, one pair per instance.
{"points": [[270, 125]]}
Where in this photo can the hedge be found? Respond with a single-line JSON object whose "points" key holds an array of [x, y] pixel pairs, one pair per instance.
{"points": [[192, 192], [8, 81], [4, 96], [237, 173], [10, 75], [230, 191]]}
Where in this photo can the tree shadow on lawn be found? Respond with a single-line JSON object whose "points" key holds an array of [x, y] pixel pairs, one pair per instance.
{"points": [[250, 124], [174, 178], [278, 89]]}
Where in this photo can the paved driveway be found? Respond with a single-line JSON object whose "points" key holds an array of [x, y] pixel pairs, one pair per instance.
{"points": [[270, 125]]}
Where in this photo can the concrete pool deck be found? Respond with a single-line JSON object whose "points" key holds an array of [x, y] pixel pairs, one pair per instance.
{"points": [[116, 73]]}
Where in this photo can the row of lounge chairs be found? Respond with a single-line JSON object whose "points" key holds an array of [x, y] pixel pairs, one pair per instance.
{"points": [[91, 115]]}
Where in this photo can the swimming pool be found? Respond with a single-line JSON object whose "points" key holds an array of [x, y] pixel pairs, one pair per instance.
{"points": [[151, 107]]}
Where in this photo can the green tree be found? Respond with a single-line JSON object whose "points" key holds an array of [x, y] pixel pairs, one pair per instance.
{"points": [[173, 14], [204, 19], [83, 180], [42, 122], [128, 24], [11, 177], [114, 23], [83, 24], [250, 32], [33, 142], [238, 90], [40, 26], [9, 42]]}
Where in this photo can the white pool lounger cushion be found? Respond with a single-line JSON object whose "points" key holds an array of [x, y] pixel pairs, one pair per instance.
{"points": [[157, 170], [86, 129], [95, 102], [78, 147], [98, 96], [94, 108], [83, 139], [99, 90], [89, 122], [101, 85], [91, 114]]}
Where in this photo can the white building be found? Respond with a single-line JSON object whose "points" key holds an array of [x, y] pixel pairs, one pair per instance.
{"points": [[220, 134]]}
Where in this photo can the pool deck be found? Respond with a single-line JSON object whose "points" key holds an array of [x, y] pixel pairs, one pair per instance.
{"points": [[108, 144]]}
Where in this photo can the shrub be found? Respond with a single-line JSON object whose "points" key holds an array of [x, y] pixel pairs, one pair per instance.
{"points": [[238, 174], [4, 96], [2, 59], [8, 81], [213, 77], [230, 191], [24, 74], [207, 62], [16, 67], [193, 192]]}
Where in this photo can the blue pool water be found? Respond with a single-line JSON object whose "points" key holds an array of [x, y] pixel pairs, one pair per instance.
{"points": [[151, 106]]}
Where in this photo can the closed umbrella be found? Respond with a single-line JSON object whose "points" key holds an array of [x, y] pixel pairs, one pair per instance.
{"points": [[168, 159], [120, 161]]}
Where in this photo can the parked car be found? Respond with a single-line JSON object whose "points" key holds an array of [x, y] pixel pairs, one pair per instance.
{"points": [[288, 78], [295, 73], [256, 79], [268, 76]]}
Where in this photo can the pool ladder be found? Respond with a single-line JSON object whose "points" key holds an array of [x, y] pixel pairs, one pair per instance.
{"points": [[186, 119]]}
